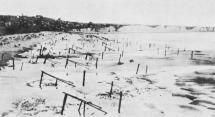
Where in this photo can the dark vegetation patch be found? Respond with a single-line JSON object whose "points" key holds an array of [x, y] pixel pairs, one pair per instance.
{"points": [[203, 80], [199, 102], [188, 107], [146, 79], [184, 96], [204, 62], [180, 83], [115, 94], [210, 108], [204, 73], [34, 106], [193, 91]]}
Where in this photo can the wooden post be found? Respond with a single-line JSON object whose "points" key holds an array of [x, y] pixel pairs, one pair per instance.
{"points": [[40, 54], [36, 59], [102, 55], [55, 83], [79, 107], [192, 55], [111, 89], [75, 64], [119, 58], [158, 51], [96, 63], [69, 51], [105, 48], [146, 69], [45, 59], [122, 53], [67, 60], [165, 51], [120, 102], [84, 109], [13, 63], [64, 102], [178, 52], [41, 78], [21, 66], [2, 56], [86, 57], [84, 72], [137, 68]]}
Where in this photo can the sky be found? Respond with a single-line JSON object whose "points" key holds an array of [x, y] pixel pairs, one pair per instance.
{"points": [[148, 12]]}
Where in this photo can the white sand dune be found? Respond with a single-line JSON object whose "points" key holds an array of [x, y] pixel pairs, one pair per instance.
{"points": [[168, 89]]}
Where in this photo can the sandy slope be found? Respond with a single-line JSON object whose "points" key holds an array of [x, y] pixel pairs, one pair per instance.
{"points": [[167, 89]]}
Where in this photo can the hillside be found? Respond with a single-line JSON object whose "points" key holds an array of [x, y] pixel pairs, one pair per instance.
{"points": [[25, 24], [165, 28]]}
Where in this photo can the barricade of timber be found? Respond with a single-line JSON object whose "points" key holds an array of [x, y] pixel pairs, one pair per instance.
{"points": [[57, 79], [82, 101]]}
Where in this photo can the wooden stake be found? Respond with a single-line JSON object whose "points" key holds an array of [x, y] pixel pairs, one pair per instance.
{"points": [[41, 78], [119, 58], [86, 57], [146, 69], [165, 52], [45, 59], [13, 63], [21, 66], [102, 55], [79, 108], [178, 52], [2, 56], [96, 63], [111, 89], [137, 68], [67, 60], [105, 48], [64, 102], [84, 72], [120, 102], [192, 55], [56, 83], [40, 54], [69, 51], [36, 59], [84, 109], [158, 51]]}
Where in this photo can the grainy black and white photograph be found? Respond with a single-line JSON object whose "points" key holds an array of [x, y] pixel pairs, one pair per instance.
{"points": [[107, 58]]}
